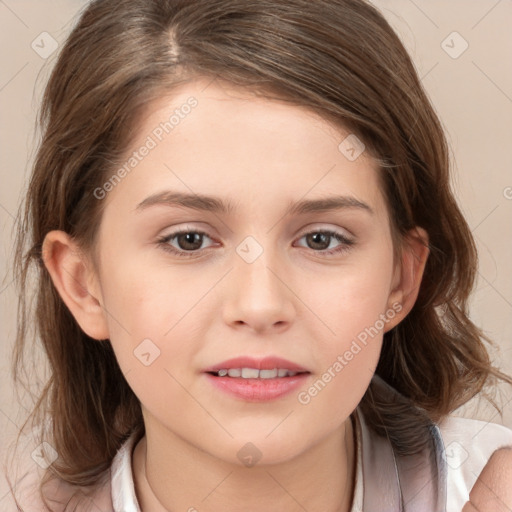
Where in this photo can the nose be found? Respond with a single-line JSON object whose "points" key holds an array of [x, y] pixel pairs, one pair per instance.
{"points": [[259, 297]]}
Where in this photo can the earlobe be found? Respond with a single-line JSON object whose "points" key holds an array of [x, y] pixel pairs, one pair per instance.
{"points": [[409, 273], [76, 282]]}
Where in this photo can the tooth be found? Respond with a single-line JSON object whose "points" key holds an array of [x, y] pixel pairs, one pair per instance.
{"points": [[254, 373], [250, 373]]}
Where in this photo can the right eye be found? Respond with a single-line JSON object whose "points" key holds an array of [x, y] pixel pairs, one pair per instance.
{"points": [[183, 243]]}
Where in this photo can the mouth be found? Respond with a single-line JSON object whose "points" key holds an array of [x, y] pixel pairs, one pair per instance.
{"points": [[257, 380]]}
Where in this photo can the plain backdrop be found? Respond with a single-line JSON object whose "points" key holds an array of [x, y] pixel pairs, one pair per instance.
{"points": [[462, 50]]}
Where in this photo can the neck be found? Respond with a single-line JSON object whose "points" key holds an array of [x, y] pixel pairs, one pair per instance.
{"points": [[181, 477]]}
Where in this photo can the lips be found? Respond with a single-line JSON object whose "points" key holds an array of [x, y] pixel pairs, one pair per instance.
{"points": [[257, 380]]}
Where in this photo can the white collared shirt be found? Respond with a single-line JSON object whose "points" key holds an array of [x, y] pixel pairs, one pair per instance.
{"points": [[468, 444]]}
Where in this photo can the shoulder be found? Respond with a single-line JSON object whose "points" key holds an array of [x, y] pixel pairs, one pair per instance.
{"points": [[492, 491], [114, 490], [24, 479], [469, 444], [59, 496]]}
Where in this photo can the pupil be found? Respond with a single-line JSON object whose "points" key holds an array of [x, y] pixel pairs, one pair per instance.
{"points": [[320, 238], [190, 239]]}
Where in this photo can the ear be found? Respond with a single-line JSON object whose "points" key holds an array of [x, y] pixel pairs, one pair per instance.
{"points": [[76, 281], [408, 275]]}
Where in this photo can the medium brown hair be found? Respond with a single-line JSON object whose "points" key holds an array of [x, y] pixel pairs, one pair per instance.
{"points": [[338, 57]]}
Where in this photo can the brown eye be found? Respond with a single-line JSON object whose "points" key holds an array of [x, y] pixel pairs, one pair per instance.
{"points": [[318, 241], [184, 243], [189, 241], [327, 242]]}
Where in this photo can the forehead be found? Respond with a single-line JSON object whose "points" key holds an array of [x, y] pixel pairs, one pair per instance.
{"points": [[217, 139]]}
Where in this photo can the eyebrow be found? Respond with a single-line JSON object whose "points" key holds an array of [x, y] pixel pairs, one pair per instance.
{"points": [[217, 205]]}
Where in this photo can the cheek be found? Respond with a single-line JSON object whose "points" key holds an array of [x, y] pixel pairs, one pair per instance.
{"points": [[146, 320], [354, 309], [139, 309], [353, 298], [347, 358]]}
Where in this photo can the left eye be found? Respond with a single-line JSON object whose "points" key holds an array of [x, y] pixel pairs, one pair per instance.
{"points": [[322, 241]]}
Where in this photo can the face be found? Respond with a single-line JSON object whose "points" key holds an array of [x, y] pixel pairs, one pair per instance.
{"points": [[244, 230]]}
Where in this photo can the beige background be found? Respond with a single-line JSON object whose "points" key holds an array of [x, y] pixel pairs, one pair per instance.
{"points": [[472, 94]]}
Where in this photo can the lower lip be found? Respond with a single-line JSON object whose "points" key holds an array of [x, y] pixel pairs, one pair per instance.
{"points": [[258, 390]]}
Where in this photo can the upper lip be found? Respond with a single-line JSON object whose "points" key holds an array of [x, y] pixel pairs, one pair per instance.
{"points": [[266, 363]]}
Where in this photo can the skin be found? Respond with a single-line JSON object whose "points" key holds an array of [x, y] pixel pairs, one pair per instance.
{"points": [[492, 491], [293, 301]]}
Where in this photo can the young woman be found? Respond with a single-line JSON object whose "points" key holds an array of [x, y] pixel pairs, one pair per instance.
{"points": [[252, 275]]}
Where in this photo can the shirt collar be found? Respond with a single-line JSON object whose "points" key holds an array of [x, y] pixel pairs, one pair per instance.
{"points": [[122, 483], [394, 481], [124, 498]]}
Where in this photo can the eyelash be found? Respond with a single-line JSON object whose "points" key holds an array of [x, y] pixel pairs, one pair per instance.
{"points": [[163, 242]]}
